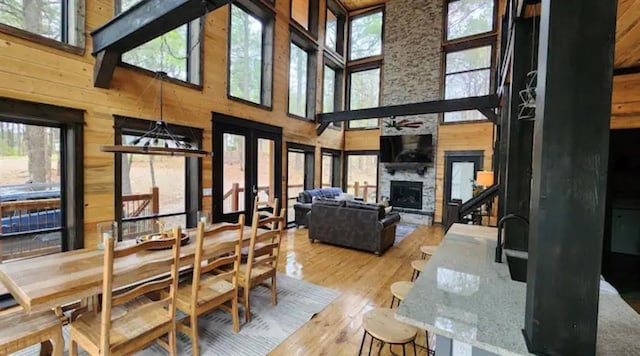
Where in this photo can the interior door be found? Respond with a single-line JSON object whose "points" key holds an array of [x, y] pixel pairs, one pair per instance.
{"points": [[460, 175], [247, 163]]}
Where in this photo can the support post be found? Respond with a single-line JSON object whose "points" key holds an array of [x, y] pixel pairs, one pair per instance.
{"points": [[570, 156], [235, 190], [519, 138], [155, 201]]}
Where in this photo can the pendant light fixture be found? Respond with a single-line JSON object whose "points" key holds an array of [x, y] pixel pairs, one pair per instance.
{"points": [[149, 142]]}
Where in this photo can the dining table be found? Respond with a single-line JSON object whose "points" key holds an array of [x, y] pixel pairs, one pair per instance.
{"points": [[46, 282]]}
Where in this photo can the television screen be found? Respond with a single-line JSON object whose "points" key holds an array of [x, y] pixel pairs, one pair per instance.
{"points": [[406, 148]]}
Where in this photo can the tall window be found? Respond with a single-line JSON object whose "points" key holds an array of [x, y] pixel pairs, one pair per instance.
{"points": [[365, 36], [335, 28], [298, 68], [245, 56], [155, 192], [39, 192], [329, 88], [55, 20], [362, 175], [330, 176], [364, 92], [177, 52], [468, 60], [331, 32], [469, 18]]}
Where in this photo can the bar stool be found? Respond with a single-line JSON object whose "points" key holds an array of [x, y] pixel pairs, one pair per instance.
{"points": [[381, 324], [427, 250], [418, 267], [399, 290]]}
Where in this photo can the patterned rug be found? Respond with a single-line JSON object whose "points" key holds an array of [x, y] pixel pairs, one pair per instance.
{"points": [[402, 231], [298, 302]]}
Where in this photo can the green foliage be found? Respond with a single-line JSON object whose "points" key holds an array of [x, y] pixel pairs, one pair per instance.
{"points": [[469, 17], [366, 36], [245, 76], [364, 93], [38, 16]]}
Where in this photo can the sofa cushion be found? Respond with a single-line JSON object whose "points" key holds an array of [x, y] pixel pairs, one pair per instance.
{"points": [[307, 196], [360, 205], [328, 202]]}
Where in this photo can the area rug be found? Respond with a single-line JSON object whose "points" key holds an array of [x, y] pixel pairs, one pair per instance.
{"points": [[402, 231], [298, 302]]}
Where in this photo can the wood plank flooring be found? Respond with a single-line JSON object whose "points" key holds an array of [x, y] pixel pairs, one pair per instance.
{"points": [[364, 281]]}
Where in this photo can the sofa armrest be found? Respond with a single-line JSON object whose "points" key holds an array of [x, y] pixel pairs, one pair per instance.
{"points": [[389, 220]]}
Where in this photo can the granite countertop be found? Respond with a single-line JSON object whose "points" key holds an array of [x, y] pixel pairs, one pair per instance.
{"points": [[464, 295]]}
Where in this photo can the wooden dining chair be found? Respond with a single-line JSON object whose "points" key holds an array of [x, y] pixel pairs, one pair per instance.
{"points": [[19, 330], [262, 259], [129, 321], [215, 279], [263, 214]]}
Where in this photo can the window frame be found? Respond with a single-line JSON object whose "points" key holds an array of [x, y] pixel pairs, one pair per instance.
{"points": [[356, 69], [311, 48], [314, 19], [72, 29], [124, 125], [194, 71], [445, 25], [266, 15], [359, 14], [341, 41], [345, 169], [338, 93], [336, 166], [71, 124]]}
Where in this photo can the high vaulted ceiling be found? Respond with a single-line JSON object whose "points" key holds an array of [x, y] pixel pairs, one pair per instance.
{"points": [[627, 52], [359, 4]]}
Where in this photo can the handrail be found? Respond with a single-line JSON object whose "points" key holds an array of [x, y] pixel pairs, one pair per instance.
{"points": [[484, 197]]}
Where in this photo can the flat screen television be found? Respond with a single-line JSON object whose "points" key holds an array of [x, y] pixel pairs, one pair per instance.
{"points": [[406, 148]]}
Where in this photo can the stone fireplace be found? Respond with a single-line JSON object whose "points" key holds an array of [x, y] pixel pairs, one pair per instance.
{"points": [[405, 194]]}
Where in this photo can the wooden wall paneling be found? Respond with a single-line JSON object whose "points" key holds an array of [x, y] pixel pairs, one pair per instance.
{"points": [[460, 137], [625, 102], [361, 140], [627, 52], [35, 72]]}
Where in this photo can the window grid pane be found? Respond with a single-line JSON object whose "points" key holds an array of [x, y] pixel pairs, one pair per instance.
{"points": [[331, 35], [469, 59], [469, 17], [366, 36], [364, 92], [362, 172], [298, 66], [40, 17], [327, 171], [245, 73], [329, 87]]}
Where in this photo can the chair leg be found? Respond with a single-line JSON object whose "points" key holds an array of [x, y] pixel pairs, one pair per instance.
{"points": [[73, 348], [414, 349], [364, 336], [58, 343], [234, 313], [426, 334], [413, 275], [370, 344], [404, 352], [274, 292], [173, 346], [194, 335], [393, 300], [247, 308]]}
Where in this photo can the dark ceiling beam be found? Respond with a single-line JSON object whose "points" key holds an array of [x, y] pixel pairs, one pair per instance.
{"points": [[140, 24], [626, 70], [427, 107]]}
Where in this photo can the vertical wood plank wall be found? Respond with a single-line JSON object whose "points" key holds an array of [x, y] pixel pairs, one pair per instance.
{"points": [[34, 72]]}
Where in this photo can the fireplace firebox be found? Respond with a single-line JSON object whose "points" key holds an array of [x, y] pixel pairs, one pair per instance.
{"points": [[405, 194]]}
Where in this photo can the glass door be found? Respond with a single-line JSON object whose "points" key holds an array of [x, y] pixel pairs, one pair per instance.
{"points": [[460, 175], [300, 174], [247, 163]]}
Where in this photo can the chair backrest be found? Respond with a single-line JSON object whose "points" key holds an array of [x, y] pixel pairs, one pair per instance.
{"points": [[258, 204], [264, 246], [165, 263], [223, 253]]}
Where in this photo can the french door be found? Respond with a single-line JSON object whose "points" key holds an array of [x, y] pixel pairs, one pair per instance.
{"points": [[247, 163]]}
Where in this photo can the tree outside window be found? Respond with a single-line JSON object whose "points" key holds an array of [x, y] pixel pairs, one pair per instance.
{"points": [[469, 17], [245, 76], [366, 36], [364, 92], [42, 17], [298, 68], [329, 90], [467, 74]]}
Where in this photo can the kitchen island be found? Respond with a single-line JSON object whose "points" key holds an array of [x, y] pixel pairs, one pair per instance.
{"points": [[474, 308]]}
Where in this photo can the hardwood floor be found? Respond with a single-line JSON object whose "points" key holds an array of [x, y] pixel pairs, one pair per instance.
{"points": [[364, 281]]}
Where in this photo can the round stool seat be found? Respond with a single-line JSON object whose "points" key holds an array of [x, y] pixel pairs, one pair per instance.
{"points": [[382, 325], [400, 289], [418, 265], [428, 250]]}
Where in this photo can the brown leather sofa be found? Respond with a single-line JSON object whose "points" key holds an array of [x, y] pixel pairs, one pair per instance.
{"points": [[353, 224]]}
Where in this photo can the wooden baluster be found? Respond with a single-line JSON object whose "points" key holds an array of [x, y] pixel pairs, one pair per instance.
{"points": [[155, 200], [356, 189], [365, 193], [235, 189]]}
